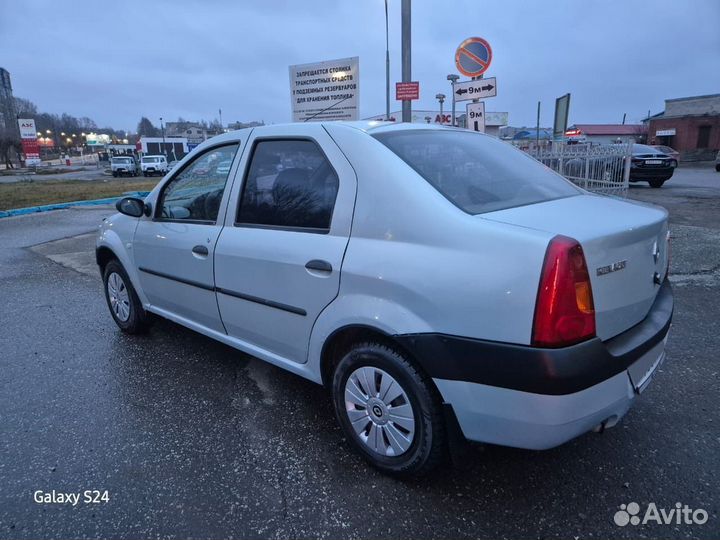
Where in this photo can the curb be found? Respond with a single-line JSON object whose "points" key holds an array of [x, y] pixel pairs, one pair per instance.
{"points": [[62, 206]]}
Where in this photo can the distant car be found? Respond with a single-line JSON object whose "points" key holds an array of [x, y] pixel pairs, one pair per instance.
{"points": [[525, 312], [151, 165], [224, 167], [123, 165], [717, 162], [650, 165], [674, 154]]}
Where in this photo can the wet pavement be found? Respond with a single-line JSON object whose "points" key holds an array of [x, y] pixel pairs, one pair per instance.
{"points": [[192, 439]]}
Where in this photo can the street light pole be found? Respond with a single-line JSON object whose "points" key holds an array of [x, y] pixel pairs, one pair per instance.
{"points": [[387, 65], [406, 56], [162, 128], [453, 79], [441, 99]]}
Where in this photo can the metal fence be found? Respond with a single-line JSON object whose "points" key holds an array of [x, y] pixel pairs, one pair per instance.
{"points": [[599, 168]]}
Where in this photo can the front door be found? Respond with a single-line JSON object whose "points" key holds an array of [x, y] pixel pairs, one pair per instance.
{"points": [[278, 259], [174, 249]]}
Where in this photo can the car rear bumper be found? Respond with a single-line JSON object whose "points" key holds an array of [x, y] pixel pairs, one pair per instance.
{"points": [[651, 173], [539, 398]]}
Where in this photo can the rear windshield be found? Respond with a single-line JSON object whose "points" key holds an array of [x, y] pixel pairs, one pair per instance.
{"points": [[643, 149], [476, 172]]}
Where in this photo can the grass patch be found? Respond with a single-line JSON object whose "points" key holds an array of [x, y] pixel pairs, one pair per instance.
{"points": [[24, 194]]}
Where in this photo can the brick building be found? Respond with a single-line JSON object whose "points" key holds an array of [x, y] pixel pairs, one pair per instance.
{"points": [[690, 125]]}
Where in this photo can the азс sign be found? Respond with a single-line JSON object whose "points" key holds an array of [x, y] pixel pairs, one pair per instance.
{"points": [[28, 139], [325, 90]]}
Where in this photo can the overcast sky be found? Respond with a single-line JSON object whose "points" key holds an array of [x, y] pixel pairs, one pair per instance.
{"points": [[118, 61]]}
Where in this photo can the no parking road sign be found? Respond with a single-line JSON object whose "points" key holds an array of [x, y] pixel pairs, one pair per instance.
{"points": [[473, 57]]}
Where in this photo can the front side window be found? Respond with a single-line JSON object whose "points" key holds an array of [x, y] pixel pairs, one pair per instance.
{"points": [[290, 183], [476, 172], [195, 193]]}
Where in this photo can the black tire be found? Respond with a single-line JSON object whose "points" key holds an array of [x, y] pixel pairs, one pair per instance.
{"points": [[656, 183], [138, 320], [115, 174], [717, 168], [144, 174], [428, 445]]}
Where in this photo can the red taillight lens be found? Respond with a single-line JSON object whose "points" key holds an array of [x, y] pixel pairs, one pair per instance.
{"points": [[564, 312]]}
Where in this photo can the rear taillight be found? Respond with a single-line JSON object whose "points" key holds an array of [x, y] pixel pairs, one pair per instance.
{"points": [[564, 312]]}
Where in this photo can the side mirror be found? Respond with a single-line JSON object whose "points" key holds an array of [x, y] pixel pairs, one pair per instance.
{"points": [[131, 206]]}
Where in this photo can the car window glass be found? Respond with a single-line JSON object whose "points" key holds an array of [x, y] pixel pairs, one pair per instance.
{"points": [[477, 173], [195, 193], [290, 183]]}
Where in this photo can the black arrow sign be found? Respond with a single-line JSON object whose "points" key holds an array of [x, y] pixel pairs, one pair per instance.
{"points": [[488, 87], [460, 92]]}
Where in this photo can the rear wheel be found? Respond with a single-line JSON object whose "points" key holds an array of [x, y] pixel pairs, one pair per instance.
{"points": [[388, 409], [656, 183], [114, 174], [717, 167], [125, 306]]}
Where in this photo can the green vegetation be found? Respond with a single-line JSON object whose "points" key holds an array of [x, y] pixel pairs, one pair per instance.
{"points": [[24, 194]]}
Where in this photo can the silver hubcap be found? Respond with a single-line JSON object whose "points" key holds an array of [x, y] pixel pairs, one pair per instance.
{"points": [[379, 411], [119, 298]]}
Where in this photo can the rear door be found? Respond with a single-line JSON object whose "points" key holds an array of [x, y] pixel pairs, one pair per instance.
{"points": [[278, 259], [174, 249]]}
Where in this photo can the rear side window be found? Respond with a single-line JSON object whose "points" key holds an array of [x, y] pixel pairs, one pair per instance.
{"points": [[289, 184], [476, 172]]}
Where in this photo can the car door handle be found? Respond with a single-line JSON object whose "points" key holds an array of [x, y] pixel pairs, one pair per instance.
{"points": [[200, 250], [319, 266]]}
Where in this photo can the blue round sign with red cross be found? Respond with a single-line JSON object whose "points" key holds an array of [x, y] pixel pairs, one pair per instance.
{"points": [[473, 57]]}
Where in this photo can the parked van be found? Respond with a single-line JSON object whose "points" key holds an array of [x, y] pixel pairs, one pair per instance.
{"points": [[121, 165], [151, 165]]}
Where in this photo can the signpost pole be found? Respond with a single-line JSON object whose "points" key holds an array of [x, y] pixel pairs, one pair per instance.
{"points": [[387, 65], [406, 67], [537, 128]]}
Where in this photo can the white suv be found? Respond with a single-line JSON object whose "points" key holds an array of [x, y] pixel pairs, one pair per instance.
{"points": [[151, 165], [436, 280]]}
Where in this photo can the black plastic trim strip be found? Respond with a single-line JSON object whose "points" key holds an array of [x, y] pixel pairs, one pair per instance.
{"points": [[263, 301], [541, 371], [178, 279], [235, 294]]}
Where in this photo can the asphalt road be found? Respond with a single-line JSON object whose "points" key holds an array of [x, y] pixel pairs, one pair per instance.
{"points": [[192, 439]]}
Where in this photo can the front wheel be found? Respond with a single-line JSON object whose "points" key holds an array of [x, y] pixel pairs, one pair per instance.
{"points": [[125, 306], [656, 183], [389, 410]]}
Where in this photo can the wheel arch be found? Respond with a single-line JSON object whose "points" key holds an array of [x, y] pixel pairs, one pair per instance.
{"points": [[103, 255], [341, 339]]}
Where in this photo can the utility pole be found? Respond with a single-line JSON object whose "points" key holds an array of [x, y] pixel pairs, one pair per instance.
{"points": [[406, 66], [453, 78], [222, 130], [537, 128], [387, 65]]}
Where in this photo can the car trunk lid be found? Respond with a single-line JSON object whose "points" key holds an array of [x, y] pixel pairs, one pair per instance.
{"points": [[625, 246]]}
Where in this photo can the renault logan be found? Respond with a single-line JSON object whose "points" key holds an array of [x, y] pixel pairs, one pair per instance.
{"points": [[437, 281]]}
